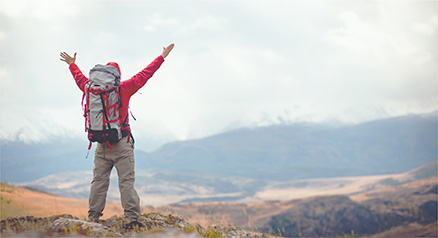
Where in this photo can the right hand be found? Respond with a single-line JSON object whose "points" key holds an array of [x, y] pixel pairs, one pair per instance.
{"points": [[67, 58], [166, 50]]}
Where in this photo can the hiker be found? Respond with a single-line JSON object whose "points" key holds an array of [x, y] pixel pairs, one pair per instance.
{"points": [[120, 154]]}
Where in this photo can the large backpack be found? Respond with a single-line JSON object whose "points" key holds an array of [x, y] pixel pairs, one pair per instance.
{"points": [[101, 111]]}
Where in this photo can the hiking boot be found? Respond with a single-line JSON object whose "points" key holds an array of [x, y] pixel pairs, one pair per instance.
{"points": [[134, 225]]}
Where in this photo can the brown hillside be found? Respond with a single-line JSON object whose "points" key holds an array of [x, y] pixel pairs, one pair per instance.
{"points": [[411, 230], [398, 207], [17, 201]]}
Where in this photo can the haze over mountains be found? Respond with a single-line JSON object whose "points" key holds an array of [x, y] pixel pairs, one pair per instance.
{"points": [[281, 152], [236, 165], [288, 152]]}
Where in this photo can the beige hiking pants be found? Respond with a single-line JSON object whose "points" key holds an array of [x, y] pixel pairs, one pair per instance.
{"points": [[120, 156]]}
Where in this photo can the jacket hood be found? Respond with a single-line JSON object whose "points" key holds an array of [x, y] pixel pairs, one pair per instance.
{"points": [[115, 65]]}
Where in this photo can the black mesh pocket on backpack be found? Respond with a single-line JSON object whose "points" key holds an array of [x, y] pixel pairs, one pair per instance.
{"points": [[111, 136]]}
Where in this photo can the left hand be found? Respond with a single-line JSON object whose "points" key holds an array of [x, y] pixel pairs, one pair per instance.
{"points": [[67, 58]]}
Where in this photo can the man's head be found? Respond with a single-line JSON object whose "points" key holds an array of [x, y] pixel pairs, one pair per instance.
{"points": [[115, 65]]}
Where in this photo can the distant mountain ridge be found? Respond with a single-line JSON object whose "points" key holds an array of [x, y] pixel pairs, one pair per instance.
{"points": [[300, 151], [281, 152], [21, 162]]}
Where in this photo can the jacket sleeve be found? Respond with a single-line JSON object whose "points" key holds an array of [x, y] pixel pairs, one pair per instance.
{"points": [[80, 78], [133, 84]]}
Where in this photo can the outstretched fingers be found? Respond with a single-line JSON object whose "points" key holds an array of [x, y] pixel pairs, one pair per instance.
{"points": [[67, 58], [64, 56]]}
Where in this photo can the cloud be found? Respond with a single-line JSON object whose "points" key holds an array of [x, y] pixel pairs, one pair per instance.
{"points": [[203, 23], [356, 34], [43, 9], [157, 21], [234, 64], [428, 27]]}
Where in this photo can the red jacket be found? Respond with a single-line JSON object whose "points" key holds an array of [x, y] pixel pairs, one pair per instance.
{"points": [[127, 87]]}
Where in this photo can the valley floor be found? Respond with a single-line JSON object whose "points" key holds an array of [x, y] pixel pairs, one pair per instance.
{"points": [[389, 205]]}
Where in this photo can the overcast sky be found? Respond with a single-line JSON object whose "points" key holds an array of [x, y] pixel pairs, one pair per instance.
{"points": [[235, 63]]}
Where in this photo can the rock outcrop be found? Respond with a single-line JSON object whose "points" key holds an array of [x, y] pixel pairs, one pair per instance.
{"points": [[154, 225]]}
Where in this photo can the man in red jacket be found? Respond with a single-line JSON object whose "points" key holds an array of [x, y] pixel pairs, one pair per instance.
{"points": [[121, 155]]}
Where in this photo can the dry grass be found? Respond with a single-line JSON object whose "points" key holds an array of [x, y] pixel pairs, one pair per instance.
{"points": [[411, 230], [322, 187], [359, 197], [17, 201], [21, 207]]}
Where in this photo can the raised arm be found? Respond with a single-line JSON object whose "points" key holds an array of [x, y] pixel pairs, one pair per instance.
{"points": [[79, 77], [139, 80]]}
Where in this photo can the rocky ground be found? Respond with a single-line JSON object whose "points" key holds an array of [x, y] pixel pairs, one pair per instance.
{"points": [[155, 225]]}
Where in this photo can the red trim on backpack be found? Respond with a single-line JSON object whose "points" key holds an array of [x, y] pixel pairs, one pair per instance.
{"points": [[105, 97], [114, 109], [120, 96], [108, 144]]}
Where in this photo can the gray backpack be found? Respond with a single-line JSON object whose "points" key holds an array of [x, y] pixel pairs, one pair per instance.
{"points": [[103, 101]]}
